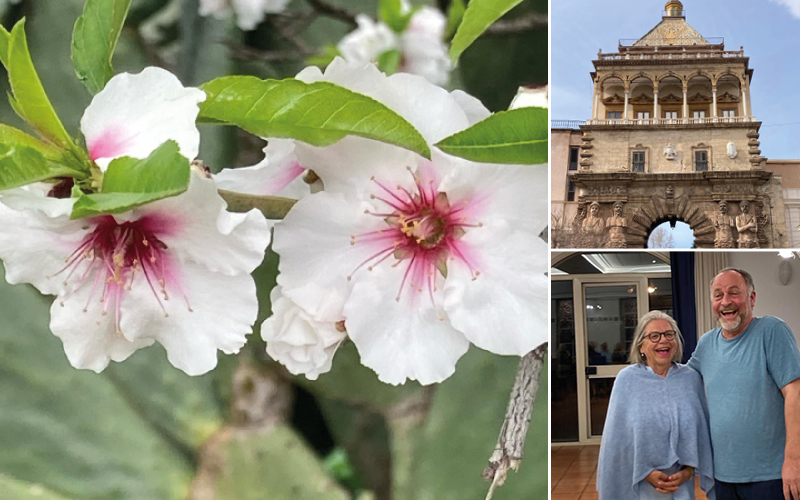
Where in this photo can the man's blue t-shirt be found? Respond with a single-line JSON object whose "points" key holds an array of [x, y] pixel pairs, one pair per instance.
{"points": [[743, 378]]}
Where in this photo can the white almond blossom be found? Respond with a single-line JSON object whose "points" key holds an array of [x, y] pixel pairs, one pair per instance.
{"points": [[421, 46], [136, 113], [278, 174], [298, 341], [249, 13], [175, 271], [428, 255]]}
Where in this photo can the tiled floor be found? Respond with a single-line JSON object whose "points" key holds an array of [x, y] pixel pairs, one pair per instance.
{"points": [[573, 473]]}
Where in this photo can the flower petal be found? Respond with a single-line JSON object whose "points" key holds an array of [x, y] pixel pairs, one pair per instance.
{"points": [[297, 341], [134, 114], [473, 107], [505, 309], [34, 246], [196, 227], [424, 52], [279, 173], [367, 41], [502, 193], [249, 13], [90, 338], [406, 339], [316, 254], [223, 310]]}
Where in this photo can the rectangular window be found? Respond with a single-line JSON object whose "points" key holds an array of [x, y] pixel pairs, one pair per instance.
{"points": [[615, 115], [728, 113], [570, 191], [699, 113], [638, 161], [701, 161], [573, 158], [642, 115], [671, 115]]}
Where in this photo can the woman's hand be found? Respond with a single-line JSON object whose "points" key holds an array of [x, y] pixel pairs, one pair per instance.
{"points": [[675, 480], [669, 484], [657, 479]]}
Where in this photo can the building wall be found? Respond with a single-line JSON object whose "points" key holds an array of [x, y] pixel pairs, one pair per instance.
{"points": [[772, 298], [789, 171], [612, 148], [560, 142]]}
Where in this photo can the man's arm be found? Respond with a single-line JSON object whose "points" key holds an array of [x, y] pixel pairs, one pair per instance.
{"points": [[791, 462]]}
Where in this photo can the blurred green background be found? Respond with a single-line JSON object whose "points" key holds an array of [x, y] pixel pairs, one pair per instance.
{"points": [[143, 430]]}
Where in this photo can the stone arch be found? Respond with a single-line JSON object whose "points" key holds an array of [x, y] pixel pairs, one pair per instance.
{"points": [[641, 74], [668, 74], [697, 73], [659, 210], [727, 72], [609, 76]]}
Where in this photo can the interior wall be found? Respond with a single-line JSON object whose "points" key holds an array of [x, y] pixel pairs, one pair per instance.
{"points": [[772, 298]]}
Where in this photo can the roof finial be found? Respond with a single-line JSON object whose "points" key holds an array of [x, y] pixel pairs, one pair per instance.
{"points": [[674, 8]]}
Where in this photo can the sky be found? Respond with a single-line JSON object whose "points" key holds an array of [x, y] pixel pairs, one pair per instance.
{"points": [[769, 31]]}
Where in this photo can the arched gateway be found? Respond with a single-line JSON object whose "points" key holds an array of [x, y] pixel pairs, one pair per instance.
{"points": [[672, 137]]}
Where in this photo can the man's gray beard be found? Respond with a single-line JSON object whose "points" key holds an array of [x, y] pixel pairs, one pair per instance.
{"points": [[733, 324]]}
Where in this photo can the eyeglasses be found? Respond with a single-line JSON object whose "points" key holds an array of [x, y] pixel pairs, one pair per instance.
{"points": [[656, 336]]}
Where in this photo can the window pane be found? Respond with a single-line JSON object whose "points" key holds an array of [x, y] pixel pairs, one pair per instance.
{"points": [[701, 161], [573, 158], [614, 115], [671, 114], [638, 161]]}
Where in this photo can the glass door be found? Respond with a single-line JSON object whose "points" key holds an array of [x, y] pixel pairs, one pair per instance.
{"points": [[610, 312]]}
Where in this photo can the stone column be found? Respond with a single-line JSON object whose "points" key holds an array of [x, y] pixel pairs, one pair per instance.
{"points": [[714, 101], [627, 94], [745, 90], [597, 90], [685, 103], [655, 103]]}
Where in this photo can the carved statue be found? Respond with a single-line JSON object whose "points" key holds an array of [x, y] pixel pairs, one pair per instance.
{"points": [[731, 149], [747, 226], [617, 226], [669, 151], [670, 192], [592, 229], [723, 224]]}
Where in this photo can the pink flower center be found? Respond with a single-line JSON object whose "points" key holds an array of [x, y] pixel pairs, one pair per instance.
{"points": [[114, 254], [424, 231]]}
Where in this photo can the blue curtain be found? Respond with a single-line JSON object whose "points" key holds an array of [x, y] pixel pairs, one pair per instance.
{"points": [[683, 299]]}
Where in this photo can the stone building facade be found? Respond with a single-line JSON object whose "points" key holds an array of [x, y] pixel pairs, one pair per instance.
{"points": [[671, 138]]}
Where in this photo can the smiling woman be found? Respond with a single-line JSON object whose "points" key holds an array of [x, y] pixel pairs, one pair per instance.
{"points": [[658, 441]]}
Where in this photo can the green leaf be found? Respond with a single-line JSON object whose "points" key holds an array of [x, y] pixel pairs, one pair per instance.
{"points": [[130, 182], [517, 136], [30, 100], [319, 113], [480, 14], [21, 165], [455, 13], [389, 61], [94, 39], [391, 13], [5, 42]]}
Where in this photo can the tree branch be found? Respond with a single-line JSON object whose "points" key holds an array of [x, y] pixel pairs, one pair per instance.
{"points": [[273, 207], [323, 7], [521, 24], [508, 450]]}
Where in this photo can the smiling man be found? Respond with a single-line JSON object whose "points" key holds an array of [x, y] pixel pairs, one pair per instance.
{"points": [[751, 370]]}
